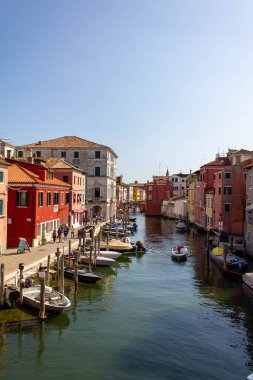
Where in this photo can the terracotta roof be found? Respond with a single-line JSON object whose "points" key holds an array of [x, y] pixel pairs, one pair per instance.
{"points": [[2, 162], [59, 163], [65, 142], [18, 174], [222, 162]]}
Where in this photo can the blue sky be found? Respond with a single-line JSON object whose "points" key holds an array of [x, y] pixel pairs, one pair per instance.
{"points": [[163, 83]]}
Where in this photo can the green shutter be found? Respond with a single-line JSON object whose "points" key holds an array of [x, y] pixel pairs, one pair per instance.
{"points": [[1, 176], [1, 207]]}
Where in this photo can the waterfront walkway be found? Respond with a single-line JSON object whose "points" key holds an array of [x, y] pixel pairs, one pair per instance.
{"points": [[36, 256]]}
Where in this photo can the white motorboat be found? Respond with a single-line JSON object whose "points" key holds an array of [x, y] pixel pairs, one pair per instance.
{"points": [[181, 226], [179, 253], [54, 301], [248, 279], [111, 254], [99, 260]]}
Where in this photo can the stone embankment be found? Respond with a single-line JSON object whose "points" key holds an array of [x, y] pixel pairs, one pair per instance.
{"points": [[35, 257]]}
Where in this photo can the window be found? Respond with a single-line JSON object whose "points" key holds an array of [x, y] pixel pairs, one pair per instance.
{"points": [[38, 153], [76, 154], [8, 153], [65, 178], [97, 154], [97, 171], [250, 181], [48, 199], [150, 188], [20, 153], [40, 200], [219, 175], [22, 198], [67, 198], [1, 177], [227, 190], [227, 175], [63, 154], [150, 197], [219, 190], [62, 198], [1, 207], [56, 198], [227, 207], [97, 192], [250, 217], [74, 198]]}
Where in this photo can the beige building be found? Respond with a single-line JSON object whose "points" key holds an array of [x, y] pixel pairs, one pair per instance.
{"points": [[209, 209], [98, 161]]}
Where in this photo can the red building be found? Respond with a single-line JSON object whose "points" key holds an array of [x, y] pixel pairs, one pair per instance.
{"points": [[38, 203], [204, 183], [156, 192], [230, 194]]}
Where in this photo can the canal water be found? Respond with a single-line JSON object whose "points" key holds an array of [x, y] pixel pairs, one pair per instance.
{"points": [[149, 318]]}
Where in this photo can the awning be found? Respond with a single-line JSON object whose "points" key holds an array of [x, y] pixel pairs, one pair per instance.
{"points": [[250, 207], [79, 211]]}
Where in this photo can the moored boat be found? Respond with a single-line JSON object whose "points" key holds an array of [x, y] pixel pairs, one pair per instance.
{"points": [[84, 275], [54, 301], [248, 279], [230, 264], [115, 245], [111, 254], [99, 261]]}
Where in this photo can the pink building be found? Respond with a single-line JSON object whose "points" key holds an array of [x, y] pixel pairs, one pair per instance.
{"points": [[76, 178], [3, 204]]}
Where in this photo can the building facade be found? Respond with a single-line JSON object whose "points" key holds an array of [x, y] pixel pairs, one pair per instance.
{"points": [[158, 190], [249, 210], [98, 161], [3, 204], [38, 203], [76, 178]]}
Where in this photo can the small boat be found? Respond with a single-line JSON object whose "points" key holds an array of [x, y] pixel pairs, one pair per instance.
{"points": [[248, 279], [179, 253], [181, 226], [233, 265], [54, 301], [100, 261], [84, 275], [111, 254], [115, 245]]}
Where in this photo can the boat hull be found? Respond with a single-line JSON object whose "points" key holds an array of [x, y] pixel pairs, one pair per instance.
{"points": [[235, 266], [54, 301], [83, 275]]}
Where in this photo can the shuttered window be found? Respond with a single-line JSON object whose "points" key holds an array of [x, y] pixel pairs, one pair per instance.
{"points": [[22, 198]]}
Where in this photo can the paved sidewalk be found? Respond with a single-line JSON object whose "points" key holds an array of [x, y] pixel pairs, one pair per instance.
{"points": [[31, 260]]}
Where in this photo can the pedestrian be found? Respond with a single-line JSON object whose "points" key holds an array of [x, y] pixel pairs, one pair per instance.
{"points": [[54, 236], [60, 232], [65, 232], [72, 232]]}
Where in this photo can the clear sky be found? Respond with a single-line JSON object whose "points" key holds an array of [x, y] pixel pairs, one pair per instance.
{"points": [[163, 83]]}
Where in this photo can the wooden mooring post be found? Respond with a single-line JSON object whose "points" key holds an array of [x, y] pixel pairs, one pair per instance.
{"points": [[21, 282], [58, 264], [42, 312], [62, 275], [2, 269], [48, 271], [225, 252]]}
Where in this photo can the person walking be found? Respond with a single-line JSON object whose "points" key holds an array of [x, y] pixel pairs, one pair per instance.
{"points": [[72, 232], [54, 235], [65, 232]]}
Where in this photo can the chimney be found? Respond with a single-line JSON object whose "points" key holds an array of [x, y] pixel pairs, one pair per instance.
{"points": [[30, 157]]}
